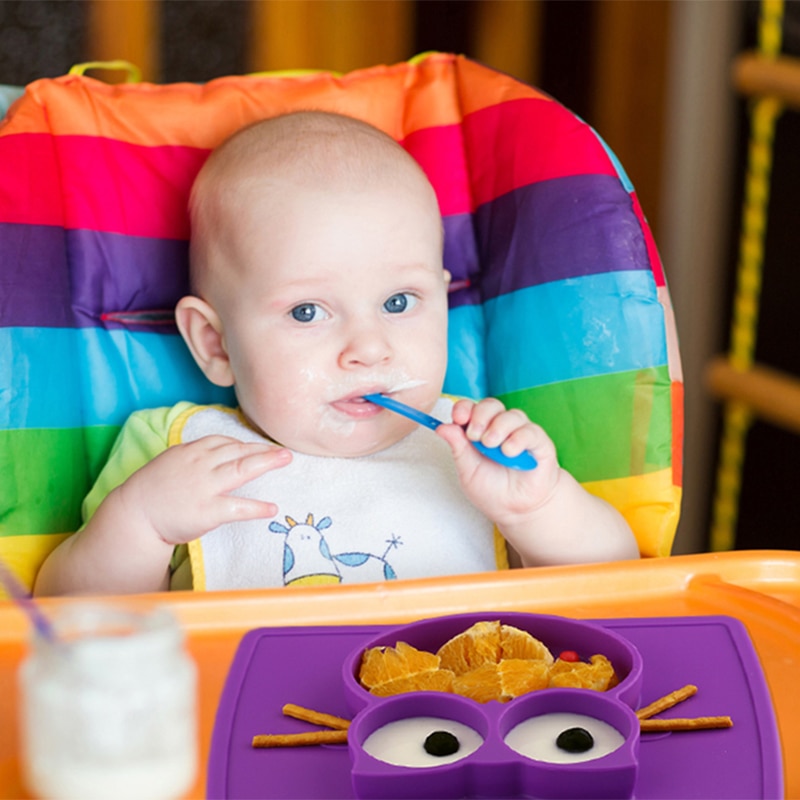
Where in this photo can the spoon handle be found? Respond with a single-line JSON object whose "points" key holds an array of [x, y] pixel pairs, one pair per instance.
{"points": [[524, 461], [407, 411]]}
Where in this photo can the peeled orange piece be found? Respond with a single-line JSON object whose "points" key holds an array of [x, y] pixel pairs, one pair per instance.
{"points": [[519, 676], [481, 684], [598, 675], [380, 665], [515, 643], [510, 678], [439, 680], [490, 643], [476, 646]]}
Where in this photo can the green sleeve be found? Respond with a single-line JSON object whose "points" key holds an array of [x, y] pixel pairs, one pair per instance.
{"points": [[144, 435]]}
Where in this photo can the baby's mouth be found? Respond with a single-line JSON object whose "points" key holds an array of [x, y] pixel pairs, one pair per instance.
{"points": [[356, 406]]}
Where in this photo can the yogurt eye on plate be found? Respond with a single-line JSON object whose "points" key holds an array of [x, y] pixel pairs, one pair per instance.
{"points": [[564, 738], [403, 742]]}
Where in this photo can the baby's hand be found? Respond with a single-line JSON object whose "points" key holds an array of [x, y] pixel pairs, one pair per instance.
{"points": [[186, 491], [504, 495]]}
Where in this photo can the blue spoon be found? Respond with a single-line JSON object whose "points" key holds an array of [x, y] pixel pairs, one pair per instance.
{"points": [[523, 461]]}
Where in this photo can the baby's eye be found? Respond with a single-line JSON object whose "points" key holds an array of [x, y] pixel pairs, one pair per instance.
{"points": [[308, 312], [398, 303]]}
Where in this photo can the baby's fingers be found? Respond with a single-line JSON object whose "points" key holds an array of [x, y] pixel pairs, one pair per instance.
{"points": [[506, 426], [233, 508], [239, 464]]}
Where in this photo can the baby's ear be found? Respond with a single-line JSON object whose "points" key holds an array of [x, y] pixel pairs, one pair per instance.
{"points": [[201, 329]]}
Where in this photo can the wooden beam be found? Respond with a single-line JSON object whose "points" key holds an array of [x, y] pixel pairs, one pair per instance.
{"points": [[508, 37], [770, 394], [125, 29], [338, 35], [758, 76], [630, 79]]}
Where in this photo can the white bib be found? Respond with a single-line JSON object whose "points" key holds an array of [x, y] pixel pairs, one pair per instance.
{"points": [[399, 513]]}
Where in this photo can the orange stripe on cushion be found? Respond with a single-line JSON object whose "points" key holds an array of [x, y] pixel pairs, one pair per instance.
{"points": [[159, 115]]}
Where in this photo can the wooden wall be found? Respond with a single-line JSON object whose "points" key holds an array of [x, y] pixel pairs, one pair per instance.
{"points": [[615, 49]]}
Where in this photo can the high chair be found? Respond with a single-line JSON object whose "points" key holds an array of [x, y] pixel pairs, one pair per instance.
{"points": [[558, 303]]}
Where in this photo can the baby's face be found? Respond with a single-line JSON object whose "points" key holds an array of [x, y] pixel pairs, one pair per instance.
{"points": [[339, 295]]}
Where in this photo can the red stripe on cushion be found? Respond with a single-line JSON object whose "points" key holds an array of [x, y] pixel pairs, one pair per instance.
{"points": [[650, 242], [86, 182], [30, 188], [119, 187], [440, 152], [520, 142]]}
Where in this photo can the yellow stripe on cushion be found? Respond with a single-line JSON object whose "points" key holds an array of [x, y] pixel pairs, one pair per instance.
{"points": [[25, 554], [500, 550], [654, 519]]}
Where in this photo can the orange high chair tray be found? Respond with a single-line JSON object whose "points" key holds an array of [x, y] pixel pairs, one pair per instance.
{"points": [[760, 589]]}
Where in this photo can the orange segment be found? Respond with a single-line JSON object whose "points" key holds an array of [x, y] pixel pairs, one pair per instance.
{"points": [[519, 676], [476, 646], [490, 643], [383, 664], [440, 680], [598, 675], [481, 684], [515, 643], [510, 678]]}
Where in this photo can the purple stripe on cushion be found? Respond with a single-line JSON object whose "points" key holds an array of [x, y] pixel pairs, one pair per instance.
{"points": [[112, 274], [107, 272], [125, 273], [461, 260], [34, 280], [557, 229]]}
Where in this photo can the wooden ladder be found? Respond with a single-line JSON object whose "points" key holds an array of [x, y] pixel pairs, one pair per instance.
{"points": [[747, 388]]}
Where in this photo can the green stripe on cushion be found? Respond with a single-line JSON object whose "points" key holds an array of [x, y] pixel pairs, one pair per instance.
{"points": [[599, 439], [46, 474], [49, 471]]}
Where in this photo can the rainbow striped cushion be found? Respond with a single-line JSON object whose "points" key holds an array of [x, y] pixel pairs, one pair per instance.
{"points": [[562, 311]]}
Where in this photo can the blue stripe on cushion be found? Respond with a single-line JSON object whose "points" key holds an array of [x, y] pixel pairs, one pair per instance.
{"points": [[64, 377], [577, 328], [466, 356]]}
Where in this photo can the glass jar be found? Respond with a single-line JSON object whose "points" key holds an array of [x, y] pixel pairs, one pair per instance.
{"points": [[109, 708]]}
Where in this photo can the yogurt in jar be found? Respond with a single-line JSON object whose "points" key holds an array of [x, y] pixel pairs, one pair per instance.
{"points": [[108, 709]]}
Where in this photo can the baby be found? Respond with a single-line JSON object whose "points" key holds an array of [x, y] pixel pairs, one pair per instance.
{"points": [[317, 278]]}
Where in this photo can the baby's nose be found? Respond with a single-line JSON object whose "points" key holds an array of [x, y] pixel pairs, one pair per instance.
{"points": [[366, 345]]}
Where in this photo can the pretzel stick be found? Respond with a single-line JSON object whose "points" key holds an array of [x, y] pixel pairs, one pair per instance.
{"points": [[668, 701], [316, 717], [300, 739], [694, 724]]}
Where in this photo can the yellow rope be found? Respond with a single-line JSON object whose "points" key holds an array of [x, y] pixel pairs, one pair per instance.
{"points": [[744, 324]]}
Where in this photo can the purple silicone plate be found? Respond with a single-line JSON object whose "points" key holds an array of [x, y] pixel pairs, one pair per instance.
{"points": [[303, 665], [557, 633], [495, 769]]}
